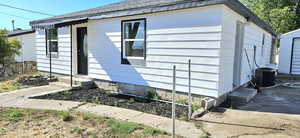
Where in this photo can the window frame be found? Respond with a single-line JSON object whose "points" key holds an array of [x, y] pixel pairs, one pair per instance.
{"points": [[53, 54], [125, 58]]}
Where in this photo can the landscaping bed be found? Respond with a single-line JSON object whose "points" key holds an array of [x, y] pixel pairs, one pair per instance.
{"points": [[45, 123], [100, 96], [24, 81]]}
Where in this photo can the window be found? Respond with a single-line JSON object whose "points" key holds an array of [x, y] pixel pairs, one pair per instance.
{"points": [[51, 42], [134, 39]]}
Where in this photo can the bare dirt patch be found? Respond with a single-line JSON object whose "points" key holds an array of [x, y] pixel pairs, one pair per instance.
{"points": [[37, 123], [23, 81]]}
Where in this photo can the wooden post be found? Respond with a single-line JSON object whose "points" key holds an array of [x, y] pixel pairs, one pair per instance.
{"points": [[173, 100], [190, 97]]}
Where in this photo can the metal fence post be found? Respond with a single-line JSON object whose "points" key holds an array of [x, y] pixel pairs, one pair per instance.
{"points": [[190, 100], [173, 100]]}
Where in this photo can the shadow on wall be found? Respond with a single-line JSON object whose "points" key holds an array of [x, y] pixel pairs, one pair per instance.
{"points": [[105, 64]]}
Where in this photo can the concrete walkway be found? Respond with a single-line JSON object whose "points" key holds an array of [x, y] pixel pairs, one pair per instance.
{"points": [[20, 99]]}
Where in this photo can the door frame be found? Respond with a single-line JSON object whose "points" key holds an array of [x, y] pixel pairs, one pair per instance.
{"points": [[74, 41], [292, 54], [238, 54]]}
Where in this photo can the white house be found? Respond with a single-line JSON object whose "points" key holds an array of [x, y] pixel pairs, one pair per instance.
{"points": [[138, 41], [27, 40], [289, 57]]}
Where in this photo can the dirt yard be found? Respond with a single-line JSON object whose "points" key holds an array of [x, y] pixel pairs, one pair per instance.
{"points": [[23, 81], [36, 123]]}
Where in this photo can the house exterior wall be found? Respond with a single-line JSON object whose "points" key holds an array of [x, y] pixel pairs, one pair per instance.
{"points": [[172, 39], [252, 36], [206, 35], [28, 47], [61, 64], [286, 44]]}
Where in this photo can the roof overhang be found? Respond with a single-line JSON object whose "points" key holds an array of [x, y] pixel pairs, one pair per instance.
{"points": [[233, 4], [58, 24]]}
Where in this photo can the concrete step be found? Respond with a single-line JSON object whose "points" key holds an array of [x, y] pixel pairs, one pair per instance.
{"points": [[242, 95], [83, 82]]}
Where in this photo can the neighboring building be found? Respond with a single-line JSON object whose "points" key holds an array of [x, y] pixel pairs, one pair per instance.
{"points": [[27, 40], [138, 41], [289, 57]]}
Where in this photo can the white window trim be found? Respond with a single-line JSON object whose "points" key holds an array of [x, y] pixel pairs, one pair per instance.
{"points": [[48, 45], [126, 40]]}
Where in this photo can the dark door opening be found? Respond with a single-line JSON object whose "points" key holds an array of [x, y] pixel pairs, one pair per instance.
{"points": [[82, 53]]}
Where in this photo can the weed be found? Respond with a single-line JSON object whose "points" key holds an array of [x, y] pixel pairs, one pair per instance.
{"points": [[195, 107], [78, 130], [121, 129], [66, 116], [204, 136], [182, 101], [153, 132], [11, 115], [153, 95]]}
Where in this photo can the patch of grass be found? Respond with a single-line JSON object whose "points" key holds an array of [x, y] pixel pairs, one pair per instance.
{"points": [[78, 130], [66, 116], [204, 136], [183, 101], [12, 114], [6, 86], [195, 107], [114, 128], [153, 132], [121, 129], [153, 95]]}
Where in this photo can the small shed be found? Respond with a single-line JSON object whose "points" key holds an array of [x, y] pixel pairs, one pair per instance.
{"points": [[27, 40], [289, 58]]}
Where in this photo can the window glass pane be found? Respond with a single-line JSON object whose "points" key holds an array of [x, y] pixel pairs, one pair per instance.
{"points": [[134, 30], [134, 48], [52, 34], [53, 46]]}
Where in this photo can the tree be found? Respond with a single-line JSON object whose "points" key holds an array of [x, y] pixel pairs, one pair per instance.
{"points": [[282, 15], [8, 48]]}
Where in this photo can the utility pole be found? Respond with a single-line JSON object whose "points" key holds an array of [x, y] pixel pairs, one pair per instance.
{"points": [[13, 24]]}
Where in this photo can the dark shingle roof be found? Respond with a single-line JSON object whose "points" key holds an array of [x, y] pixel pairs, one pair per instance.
{"points": [[135, 7], [19, 32]]}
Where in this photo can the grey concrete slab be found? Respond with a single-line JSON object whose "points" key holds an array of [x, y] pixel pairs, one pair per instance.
{"points": [[242, 95], [275, 100]]}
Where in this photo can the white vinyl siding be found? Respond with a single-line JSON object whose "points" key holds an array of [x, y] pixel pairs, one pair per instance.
{"points": [[28, 48], [61, 64], [172, 39], [252, 37]]}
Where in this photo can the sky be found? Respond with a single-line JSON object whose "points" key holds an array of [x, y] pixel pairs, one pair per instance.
{"points": [[53, 7]]}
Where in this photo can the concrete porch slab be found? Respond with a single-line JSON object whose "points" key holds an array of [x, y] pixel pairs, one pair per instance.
{"points": [[242, 95]]}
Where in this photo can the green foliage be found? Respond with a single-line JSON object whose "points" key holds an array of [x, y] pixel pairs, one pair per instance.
{"points": [[11, 115], [153, 132], [153, 95], [66, 116], [282, 15], [9, 48], [183, 101], [121, 129]]}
